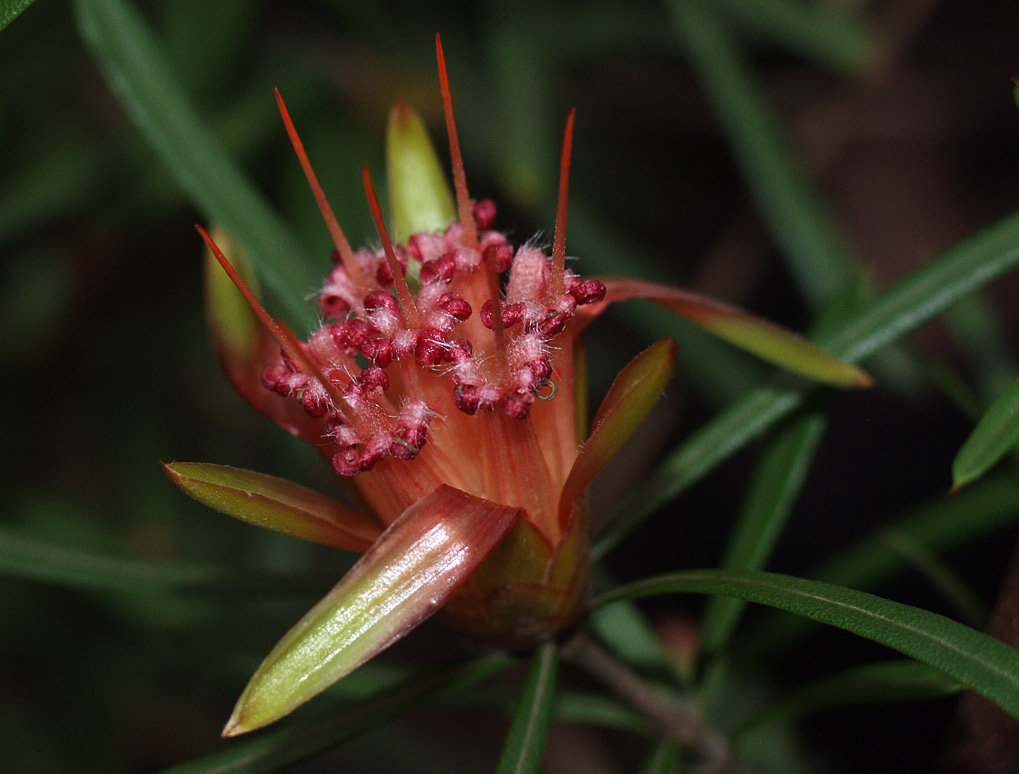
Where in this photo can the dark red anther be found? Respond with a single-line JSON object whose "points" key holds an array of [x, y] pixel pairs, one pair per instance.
{"points": [[455, 305], [314, 402], [347, 462], [349, 335], [487, 315], [380, 299], [511, 314], [439, 270], [484, 213], [374, 379], [407, 442], [335, 257], [541, 369], [515, 405], [588, 291], [553, 323], [467, 398], [431, 349], [499, 256], [378, 349]]}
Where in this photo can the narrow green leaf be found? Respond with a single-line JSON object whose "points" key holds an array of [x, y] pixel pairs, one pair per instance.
{"points": [[11, 9], [137, 71], [276, 504], [774, 489], [285, 747], [881, 683], [666, 758], [596, 709], [418, 563], [989, 505], [995, 435], [25, 556], [824, 34], [754, 334], [525, 743], [419, 195], [816, 252], [904, 306], [988, 666], [633, 393]]}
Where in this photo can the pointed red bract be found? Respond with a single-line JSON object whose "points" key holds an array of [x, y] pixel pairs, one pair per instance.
{"points": [[632, 394]]}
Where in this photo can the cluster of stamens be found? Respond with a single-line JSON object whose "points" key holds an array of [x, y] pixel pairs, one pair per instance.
{"points": [[365, 333]]}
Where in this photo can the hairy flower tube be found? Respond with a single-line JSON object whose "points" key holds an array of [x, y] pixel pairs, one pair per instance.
{"points": [[444, 387]]}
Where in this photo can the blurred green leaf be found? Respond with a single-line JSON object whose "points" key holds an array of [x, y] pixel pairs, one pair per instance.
{"points": [[881, 683], [664, 759], [913, 300], [778, 479], [10, 9], [136, 69], [825, 34], [996, 434], [284, 747], [988, 666], [817, 254], [595, 709], [525, 743]]}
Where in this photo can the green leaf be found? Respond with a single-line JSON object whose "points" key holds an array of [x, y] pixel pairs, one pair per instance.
{"points": [[988, 666], [901, 308], [11, 9], [815, 250], [23, 555], [596, 709], [774, 489], [754, 334], [525, 744], [137, 70], [990, 505], [827, 35], [881, 683], [276, 504], [419, 195], [996, 434], [633, 393], [284, 747], [418, 563], [666, 758]]}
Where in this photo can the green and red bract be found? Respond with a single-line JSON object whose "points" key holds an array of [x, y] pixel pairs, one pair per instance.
{"points": [[443, 387]]}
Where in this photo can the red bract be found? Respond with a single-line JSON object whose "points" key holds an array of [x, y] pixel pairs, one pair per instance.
{"points": [[442, 386]]}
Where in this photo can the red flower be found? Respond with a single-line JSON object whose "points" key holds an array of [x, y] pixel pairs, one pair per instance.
{"points": [[442, 386]]}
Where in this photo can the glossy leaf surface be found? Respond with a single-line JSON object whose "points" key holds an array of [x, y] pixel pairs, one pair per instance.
{"points": [[988, 666], [417, 564], [276, 504]]}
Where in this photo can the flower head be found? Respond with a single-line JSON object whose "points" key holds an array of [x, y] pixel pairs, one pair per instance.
{"points": [[441, 386]]}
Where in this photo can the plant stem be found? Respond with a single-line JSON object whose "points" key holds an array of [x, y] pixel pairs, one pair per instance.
{"points": [[685, 725]]}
